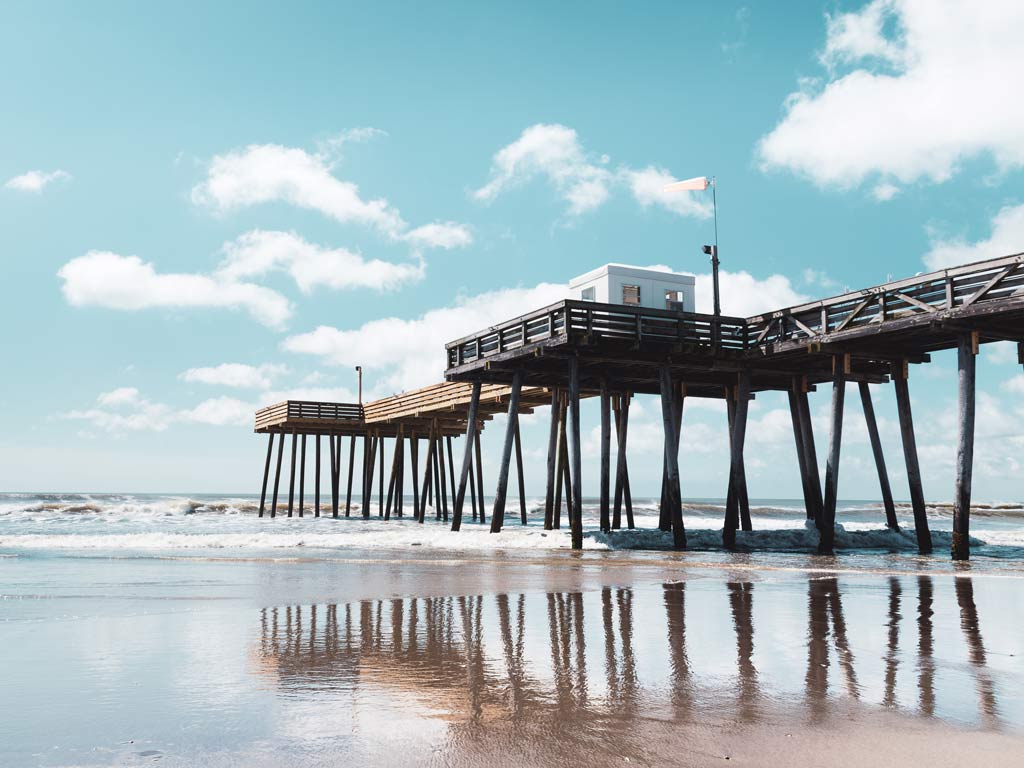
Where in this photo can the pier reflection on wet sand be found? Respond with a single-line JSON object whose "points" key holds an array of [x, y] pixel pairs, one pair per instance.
{"points": [[605, 671]]}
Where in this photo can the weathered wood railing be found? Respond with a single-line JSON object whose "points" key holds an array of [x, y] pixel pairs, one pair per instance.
{"points": [[942, 293], [307, 410], [577, 319]]}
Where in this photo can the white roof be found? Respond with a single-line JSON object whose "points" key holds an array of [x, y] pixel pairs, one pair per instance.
{"points": [[625, 270]]}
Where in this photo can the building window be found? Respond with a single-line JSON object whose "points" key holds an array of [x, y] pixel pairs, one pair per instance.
{"points": [[588, 294], [631, 294], [674, 301]]}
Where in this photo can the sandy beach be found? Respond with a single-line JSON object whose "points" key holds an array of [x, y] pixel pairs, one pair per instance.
{"points": [[417, 655]]}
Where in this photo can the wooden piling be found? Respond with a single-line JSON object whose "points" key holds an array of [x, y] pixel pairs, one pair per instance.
{"points": [[876, 449], [467, 458], [673, 496], [966, 351], [621, 430], [369, 455], [900, 384], [266, 473], [606, 444], [380, 478], [451, 469], [351, 467], [316, 479], [811, 460], [444, 480], [392, 480], [478, 461], [801, 453], [438, 475], [335, 446], [549, 488], [302, 475], [414, 455], [736, 442], [738, 485], [277, 474], [835, 441], [291, 480], [498, 513], [520, 474], [576, 516], [427, 474], [563, 485], [472, 484]]}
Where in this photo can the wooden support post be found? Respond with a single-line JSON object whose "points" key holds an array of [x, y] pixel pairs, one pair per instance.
{"points": [[380, 478], [520, 472], [801, 452], [369, 452], [606, 459], [467, 458], [827, 529], [621, 430], [302, 475], [277, 474], [451, 470], [351, 467], [393, 479], [472, 481], [316, 479], [811, 455], [628, 498], [876, 449], [736, 441], [966, 350], [414, 450], [427, 470], [549, 492], [576, 515], [266, 473], [738, 484], [564, 482], [444, 480], [335, 446], [436, 481], [498, 514], [479, 477], [673, 495], [400, 495], [924, 538], [291, 480]]}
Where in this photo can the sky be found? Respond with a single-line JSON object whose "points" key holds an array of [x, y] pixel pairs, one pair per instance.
{"points": [[205, 211]]}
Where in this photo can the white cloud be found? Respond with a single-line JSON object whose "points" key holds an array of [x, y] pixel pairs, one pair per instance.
{"points": [[36, 181], [258, 252], [555, 153], [236, 375], [648, 187], [744, 295], [105, 279], [410, 353], [265, 173], [884, 192], [1007, 238], [124, 410], [447, 235], [219, 412], [928, 85], [1000, 352]]}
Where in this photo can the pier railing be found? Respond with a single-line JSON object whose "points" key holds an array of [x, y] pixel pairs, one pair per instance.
{"points": [[307, 410], [959, 290], [571, 319]]}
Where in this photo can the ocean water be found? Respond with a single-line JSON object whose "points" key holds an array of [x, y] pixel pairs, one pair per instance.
{"points": [[144, 522]]}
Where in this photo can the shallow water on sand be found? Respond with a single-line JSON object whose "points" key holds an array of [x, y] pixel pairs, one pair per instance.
{"points": [[420, 656]]}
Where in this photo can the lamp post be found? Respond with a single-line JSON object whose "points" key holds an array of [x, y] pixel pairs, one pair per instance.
{"points": [[699, 184], [359, 370]]}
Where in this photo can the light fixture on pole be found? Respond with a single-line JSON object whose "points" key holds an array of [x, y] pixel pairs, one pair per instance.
{"points": [[359, 370], [699, 184]]}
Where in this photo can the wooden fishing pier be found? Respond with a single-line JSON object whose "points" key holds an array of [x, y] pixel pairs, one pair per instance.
{"points": [[573, 349]]}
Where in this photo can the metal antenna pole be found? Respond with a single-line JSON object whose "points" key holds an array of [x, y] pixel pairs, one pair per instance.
{"points": [[714, 253]]}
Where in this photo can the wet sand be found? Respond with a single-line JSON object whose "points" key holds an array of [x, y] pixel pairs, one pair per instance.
{"points": [[413, 658]]}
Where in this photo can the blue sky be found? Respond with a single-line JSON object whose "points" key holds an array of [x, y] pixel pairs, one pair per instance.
{"points": [[300, 188]]}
